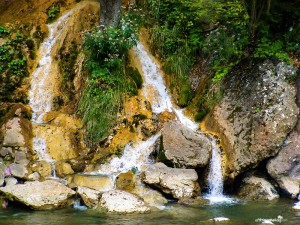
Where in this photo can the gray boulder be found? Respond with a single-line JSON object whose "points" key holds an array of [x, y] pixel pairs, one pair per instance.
{"points": [[289, 186], [182, 147], [45, 195], [181, 183], [256, 188], [90, 197], [254, 117], [123, 202]]}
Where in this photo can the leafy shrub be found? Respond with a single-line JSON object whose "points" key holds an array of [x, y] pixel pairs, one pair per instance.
{"points": [[53, 12], [4, 31], [107, 83]]}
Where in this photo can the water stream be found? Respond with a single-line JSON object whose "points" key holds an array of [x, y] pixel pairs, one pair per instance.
{"points": [[43, 87]]}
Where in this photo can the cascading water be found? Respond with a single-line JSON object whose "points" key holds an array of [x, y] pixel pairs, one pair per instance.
{"points": [[43, 87]]}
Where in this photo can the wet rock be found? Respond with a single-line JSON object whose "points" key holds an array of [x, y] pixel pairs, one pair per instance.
{"points": [[97, 182], [256, 188], [257, 112], [181, 183], [62, 143], [125, 181], [10, 181], [149, 127], [18, 170], [123, 202], [183, 147], [90, 197], [45, 195], [63, 169], [289, 186]]}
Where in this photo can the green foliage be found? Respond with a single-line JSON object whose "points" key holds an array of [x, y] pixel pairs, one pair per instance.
{"points": [[108, 79], [53, 12], [4, 31], [267, 49]]}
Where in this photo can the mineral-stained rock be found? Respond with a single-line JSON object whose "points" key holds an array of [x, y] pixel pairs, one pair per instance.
{"points": [[256, 188], [183, 147], [125, 181], [181, 183], [257, 112], [63, 169], [123, 202], [45, 195], [42, 167], [2, 173], [89, 196], [97, 182]]}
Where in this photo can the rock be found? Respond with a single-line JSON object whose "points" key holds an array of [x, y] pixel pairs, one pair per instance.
{"points": [[34, 176], [287, 162], [256, 188], [150, 196], [285, 167], [62, 143], [181, 183], [2, 173], [63, 169], [18, 170], [289, 186], [90, 197], [123, 202], [125, 181], [257, 112], [97, 182], [183, 147], [16, 132], [42, 167], [62, 120], [45, 195], [149, 127], [21, 158], [10, 181]]}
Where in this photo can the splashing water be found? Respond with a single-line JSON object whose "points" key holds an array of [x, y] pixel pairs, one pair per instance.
{"points": [[215, 178], [155, 90]]}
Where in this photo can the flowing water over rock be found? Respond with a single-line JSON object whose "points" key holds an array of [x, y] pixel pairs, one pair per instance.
{"points": [[44, 85]]}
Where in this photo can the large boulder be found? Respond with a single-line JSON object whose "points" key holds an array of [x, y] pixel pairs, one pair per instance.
{"points": [[256, 188], [285, 167], [287, 162], [181, 183], [257, 112], [183, 147], [45, 195], [123, 202]]}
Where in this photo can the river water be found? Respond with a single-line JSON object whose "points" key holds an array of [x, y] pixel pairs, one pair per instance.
{"points": [[243, 212]]}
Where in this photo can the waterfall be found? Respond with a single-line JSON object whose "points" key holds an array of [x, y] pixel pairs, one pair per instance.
{"points": [[215, 178], [136, 155], [43, 87]]}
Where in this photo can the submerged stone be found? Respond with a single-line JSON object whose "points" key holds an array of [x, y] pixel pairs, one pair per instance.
{"points": [[256, 188]]}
